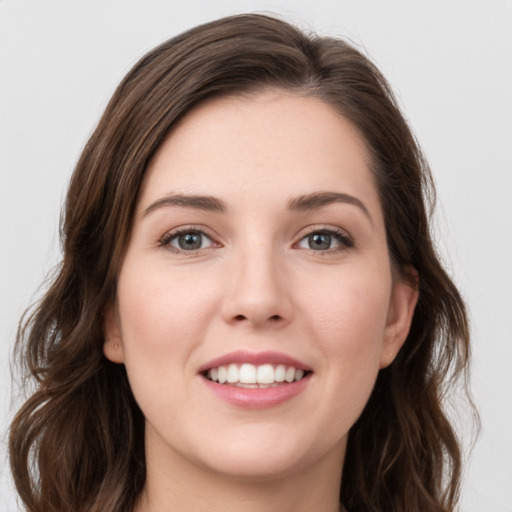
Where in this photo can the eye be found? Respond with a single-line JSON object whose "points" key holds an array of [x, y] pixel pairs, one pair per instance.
{"points": [[326, 240], [187, 240]]}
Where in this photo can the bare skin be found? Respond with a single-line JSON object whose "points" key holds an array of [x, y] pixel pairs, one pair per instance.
{"points": [[267, 260]]}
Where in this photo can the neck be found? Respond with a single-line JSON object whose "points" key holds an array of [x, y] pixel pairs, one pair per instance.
{"points": [[185, 486]]}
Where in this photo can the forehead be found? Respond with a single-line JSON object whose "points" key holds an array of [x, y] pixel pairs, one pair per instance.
{"points": [[266, 146]]}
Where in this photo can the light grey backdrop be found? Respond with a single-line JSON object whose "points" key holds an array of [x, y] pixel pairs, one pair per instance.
{"points": [[450, 62]]}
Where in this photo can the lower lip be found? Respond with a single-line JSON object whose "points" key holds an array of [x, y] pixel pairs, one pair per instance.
{"points": [[256, 398]]}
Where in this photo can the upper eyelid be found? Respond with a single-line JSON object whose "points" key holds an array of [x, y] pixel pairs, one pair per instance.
{"points": [[166, 241], [301, 234], [326, 228], [186, 229], [344, 237]]}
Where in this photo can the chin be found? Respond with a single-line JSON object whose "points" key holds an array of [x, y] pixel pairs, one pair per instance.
{"points": [[258, 467], [263, 458]]}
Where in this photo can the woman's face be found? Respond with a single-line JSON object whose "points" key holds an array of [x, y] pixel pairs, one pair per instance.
{"points": [[258, 256]]}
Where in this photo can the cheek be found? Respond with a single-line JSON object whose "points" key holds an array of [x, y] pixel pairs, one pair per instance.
{"points": [[351, 309], [349, 322], [344, 316], [158, 328], [161, 310]]}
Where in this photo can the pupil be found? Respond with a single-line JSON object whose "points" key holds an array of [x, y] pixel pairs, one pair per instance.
{"points": [[190, 241], [320, 241]]}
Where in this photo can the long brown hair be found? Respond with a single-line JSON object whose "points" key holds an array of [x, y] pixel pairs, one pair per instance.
{"points": [[77, 442]]}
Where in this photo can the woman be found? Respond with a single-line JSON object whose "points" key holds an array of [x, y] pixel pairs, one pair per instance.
{"points": [[250, 311]]}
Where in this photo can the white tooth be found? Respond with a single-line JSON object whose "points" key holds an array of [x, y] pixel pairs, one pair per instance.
{"points": [[214, 373], [232, 373], [247, 386], [280, 373], [223, 374], [299, 374], [265, 374], [247, 374], [290, 374]]}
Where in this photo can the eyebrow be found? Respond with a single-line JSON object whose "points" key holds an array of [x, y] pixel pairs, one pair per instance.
{"points": [[205, 203], [320, 199], [301, 203]]}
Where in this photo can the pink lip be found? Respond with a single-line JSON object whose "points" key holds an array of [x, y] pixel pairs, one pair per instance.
{"points": [[256, 358], [255, 398]]}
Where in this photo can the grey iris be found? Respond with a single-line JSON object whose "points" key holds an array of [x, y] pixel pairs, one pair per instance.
{"points": [[190, 241], [319, 241]]}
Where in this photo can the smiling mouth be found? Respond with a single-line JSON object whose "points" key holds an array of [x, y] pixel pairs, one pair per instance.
{"points": [[252, 376]]}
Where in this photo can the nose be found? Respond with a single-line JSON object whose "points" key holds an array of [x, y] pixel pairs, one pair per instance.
{"points": [[259, 291]]}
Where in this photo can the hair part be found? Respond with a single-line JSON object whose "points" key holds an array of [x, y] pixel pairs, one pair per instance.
{"points": [[78, 442]]}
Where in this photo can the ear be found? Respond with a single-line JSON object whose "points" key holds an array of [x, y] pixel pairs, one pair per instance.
{"points": [[113, 345], [404, 297]]}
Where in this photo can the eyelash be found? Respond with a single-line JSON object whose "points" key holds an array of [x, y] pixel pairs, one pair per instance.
{"points": [[166, 240], [346, 242]]}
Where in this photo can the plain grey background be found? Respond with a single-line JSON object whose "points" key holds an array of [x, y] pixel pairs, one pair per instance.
{"points": [[450, 63]]}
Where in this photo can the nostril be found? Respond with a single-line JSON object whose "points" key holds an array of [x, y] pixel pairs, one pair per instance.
{"points": [[239, 318]]}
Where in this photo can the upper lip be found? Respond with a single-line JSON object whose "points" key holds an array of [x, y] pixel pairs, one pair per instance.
{"points": [[255, 358]]}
